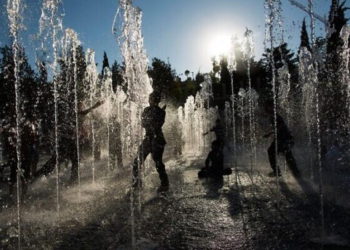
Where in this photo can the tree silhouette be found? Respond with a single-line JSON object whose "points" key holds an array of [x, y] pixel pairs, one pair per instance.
{"points": [[336, 21], [225, 80], [28, 89], [117, 75], [332, 89], [304, 37], [45, 101], [105, 63], [187, 73], [162, 75], [281, 56], [199, 78]]}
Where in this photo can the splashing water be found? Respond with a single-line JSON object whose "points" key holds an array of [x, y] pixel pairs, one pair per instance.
{"points": [[242, 111], [127, 29], [306, 76], [71, 45], [51, 27], [232, 65], [284, 90], [318, 122], [124, 104], [197, 118], [91, 78], [109, 103], [272, 17], [248, 53], [14, 8], [345, 71]]}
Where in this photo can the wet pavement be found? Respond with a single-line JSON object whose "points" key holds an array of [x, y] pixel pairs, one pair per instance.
{"points": [[248, 210]]}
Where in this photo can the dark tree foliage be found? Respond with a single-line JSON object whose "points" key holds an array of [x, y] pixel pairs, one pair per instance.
{"points": [[258, 78], [257, 73], [81, 70], [199, 78], [221, 82], [45, 102], [319, 50], [27, 91], [105, 63], [117, 75], [225, 78], [68, 68], [173, 89], [189, 87], [72, 72], [281, 56], [37, 91], [162, 76], [332, 90], [187, 73], [240, 77], [215, 70], [304, 37], [221, 78], [336, 21]]}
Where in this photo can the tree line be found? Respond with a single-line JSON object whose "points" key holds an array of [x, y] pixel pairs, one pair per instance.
{"points": [[37, 90]]}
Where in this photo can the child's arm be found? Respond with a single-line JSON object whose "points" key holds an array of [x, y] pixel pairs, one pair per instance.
{"points": [[85, 112], [268, 135]]}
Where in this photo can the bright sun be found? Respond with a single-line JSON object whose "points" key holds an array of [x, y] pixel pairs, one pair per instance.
{"points": [[219, 45]]}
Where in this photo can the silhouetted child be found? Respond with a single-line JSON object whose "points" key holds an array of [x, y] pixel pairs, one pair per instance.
{"points": [[153, 118], [284, 143], [67, 145], [214, 164]]}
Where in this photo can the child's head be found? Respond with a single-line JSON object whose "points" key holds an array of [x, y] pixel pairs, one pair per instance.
{"points": [[154, 98]]}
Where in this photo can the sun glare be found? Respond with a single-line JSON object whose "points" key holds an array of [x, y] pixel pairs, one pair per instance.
{"points": [[219, 45]]}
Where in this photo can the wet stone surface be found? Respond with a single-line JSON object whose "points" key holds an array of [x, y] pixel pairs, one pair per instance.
{"points": [[246, 212]]}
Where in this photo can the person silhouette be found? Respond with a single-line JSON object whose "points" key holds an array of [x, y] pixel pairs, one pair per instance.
{"points": [[67, 145], [214, 164], [219, 131], [285, 141], [152, 120]]}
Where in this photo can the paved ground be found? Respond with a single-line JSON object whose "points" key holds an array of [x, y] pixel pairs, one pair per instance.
{"points": [[249, 211]]}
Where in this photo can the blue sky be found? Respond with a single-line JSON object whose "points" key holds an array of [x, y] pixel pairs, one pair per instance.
{"points": [[178, 30]]}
